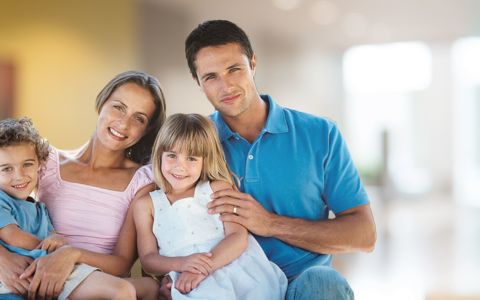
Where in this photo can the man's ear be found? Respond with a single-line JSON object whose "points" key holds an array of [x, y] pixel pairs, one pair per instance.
{"points": [[253, 63]]}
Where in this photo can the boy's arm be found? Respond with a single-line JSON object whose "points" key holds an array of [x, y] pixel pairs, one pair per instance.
{"points": [[236, 237], [152, 261], [14, 236]]}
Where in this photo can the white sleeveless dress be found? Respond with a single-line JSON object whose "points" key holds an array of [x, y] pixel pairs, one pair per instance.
{"points": [[185, 227]]}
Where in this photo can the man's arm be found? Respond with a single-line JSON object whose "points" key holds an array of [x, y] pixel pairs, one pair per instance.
{"points": [[351, 230]]}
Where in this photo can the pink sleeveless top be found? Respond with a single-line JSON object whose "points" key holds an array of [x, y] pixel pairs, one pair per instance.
{"points": [[89, 217]]}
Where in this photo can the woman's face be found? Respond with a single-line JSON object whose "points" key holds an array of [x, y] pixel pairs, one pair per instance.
{"points": [[125, 116]]}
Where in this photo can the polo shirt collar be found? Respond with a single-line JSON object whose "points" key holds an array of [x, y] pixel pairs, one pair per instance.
{"points": [[276, 122]]}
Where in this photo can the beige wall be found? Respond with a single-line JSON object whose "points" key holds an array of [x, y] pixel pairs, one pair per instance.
{"points": [[64, 52]]}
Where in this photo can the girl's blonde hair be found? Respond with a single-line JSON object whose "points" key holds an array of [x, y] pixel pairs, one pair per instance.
{"points": [[195, 135]]}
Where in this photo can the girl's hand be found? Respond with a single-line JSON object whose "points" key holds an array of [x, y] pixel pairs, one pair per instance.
{"points": [[188, 281], [11, 266], [52, 242], [198, 263], [50, 273]]}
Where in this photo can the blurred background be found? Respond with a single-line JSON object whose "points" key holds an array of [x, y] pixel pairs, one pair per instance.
{"points": [[400, 78]]}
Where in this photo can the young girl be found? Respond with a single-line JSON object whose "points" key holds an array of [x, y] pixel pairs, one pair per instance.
{"points": [[205, 258], [25, 227]]}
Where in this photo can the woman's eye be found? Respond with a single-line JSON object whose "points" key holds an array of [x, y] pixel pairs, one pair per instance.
{"points": [[141, 120], [118, 107], [7, 169]]}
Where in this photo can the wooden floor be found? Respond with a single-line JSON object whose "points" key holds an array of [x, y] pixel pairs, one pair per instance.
{"points": [[427, 248]]}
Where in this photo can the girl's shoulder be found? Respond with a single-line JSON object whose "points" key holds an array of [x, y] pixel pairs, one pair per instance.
{"points": [[219, 185]]}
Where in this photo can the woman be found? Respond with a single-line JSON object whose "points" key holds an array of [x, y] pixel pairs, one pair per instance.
{"points": [[88, 191]]}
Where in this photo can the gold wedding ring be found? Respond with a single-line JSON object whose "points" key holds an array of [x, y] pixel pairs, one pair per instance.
{"points": [[234, 209]]}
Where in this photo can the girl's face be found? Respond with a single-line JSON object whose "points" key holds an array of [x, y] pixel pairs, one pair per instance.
{"points": [[181, 170], [125, 116], [19, 168]]}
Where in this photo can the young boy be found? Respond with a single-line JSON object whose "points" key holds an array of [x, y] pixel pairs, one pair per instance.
{"points": [[25, 227]]}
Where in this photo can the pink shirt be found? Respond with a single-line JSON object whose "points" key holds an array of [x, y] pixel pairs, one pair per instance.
{"points": [[89, 217]]}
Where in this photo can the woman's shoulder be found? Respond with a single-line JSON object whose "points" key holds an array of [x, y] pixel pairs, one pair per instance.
{"points": [[142, 177]]}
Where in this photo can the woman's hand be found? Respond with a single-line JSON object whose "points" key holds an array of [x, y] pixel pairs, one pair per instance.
{"points": [[52, 242], [198, 263], [187, 281], [50, 273], [11, 266], [165, 288]]}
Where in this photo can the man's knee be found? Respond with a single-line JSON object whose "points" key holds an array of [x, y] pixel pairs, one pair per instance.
{"points": [[319, 282]]}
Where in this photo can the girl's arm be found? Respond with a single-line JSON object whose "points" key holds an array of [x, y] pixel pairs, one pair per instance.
{"points": [[236, 237], [14, 236], [152, 261]]}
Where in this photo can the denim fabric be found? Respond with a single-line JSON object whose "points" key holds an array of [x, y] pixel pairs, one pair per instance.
{"points": [[318, 283], [10, 297]]}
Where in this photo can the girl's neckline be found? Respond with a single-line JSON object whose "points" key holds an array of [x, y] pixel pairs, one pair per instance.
{"points": [[195, 192]]}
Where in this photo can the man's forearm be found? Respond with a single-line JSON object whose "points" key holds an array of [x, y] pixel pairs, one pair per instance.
{"points": [[352, 230]]}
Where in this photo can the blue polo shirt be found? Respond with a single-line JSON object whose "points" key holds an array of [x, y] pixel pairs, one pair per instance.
{"points": [[299, 167]]}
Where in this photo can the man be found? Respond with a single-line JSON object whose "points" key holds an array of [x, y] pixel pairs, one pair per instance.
{"points": [[293, 168]]}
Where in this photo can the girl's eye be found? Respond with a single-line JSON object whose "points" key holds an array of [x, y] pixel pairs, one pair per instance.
{"points": [[192, 158], [171, 155]]}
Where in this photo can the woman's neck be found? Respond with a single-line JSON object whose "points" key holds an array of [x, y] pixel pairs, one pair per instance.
{"points": [[96, 156]]}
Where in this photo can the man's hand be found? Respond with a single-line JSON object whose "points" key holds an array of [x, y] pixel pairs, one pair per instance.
{"points": [[243, 209], [187, 281], [11, 266]]}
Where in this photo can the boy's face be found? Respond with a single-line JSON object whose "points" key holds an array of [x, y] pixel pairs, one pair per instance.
{"points": [[19, 168]]}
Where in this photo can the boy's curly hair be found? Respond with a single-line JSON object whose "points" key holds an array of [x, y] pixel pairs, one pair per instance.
{"points": [[18, 131]]}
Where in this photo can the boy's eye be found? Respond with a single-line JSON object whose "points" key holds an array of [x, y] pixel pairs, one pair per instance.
{"points": [[7, 169]]}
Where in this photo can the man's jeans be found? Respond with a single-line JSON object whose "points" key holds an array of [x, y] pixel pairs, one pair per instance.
{"points": [[319, 282], [10, 297]]}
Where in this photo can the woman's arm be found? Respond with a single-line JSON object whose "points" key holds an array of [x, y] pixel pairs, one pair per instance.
{"points": [[125, 251], [50, 272], [11, 266], [152, 261], [236, 237]]}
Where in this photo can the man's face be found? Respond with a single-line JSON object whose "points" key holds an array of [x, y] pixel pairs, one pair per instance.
{"points": [[226, 77]]}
